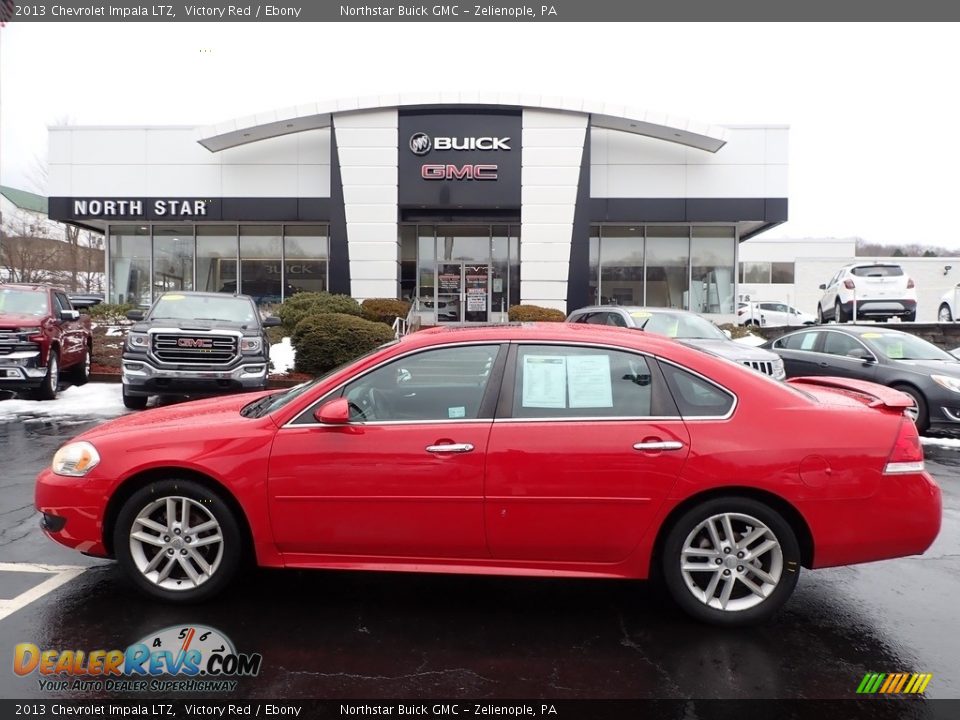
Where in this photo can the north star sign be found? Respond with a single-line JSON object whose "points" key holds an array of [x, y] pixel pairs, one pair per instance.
{"points": [[124, 208]]}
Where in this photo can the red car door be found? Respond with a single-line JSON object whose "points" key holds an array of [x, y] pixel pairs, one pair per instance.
{"points": [[586, 446], [404, 478]]}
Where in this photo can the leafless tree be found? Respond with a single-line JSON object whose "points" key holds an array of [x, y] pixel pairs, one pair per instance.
{"points": [[26, 253]]}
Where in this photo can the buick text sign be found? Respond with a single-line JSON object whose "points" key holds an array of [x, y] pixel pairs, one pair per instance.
{"points": [[457, 160]]}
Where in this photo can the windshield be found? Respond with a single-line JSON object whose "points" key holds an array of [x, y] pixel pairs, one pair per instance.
{"points": [[23, 302], [675, 325], [274, 402], [204, 307], [901, 346]]}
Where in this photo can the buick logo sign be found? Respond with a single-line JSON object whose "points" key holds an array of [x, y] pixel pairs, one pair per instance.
{"points": [[420, 143]]}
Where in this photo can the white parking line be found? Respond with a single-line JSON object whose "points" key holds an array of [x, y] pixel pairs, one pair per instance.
{"points": [[61, 574]]}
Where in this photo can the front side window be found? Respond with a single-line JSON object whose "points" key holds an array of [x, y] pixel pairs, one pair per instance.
{"points": [[439, 384], [839, 344], [575, 382]]}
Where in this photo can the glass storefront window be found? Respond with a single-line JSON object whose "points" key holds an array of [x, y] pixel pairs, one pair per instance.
{"points": [[426, 269], [711, 270], [464, 242], [172, 258], [130, 264], [668, 257], [782, 273], [217, 258], [305, 259], [514, 266], [594, 265], [756, 272], [621, 265], [408, 262], [261, 268], [500, 271]]}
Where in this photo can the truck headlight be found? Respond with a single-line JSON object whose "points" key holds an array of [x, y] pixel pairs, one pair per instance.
{"points": [[75, 459], [250, 344], [950, 383], [779, 373], [137, 341]]}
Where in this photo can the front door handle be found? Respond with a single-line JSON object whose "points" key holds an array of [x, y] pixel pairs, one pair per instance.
{"points": [[450, 448], [659, 445], [824, 365]]}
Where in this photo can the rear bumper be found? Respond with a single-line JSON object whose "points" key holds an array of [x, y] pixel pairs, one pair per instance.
{"points": [[72, 511], [902, 518], [881, 308]]}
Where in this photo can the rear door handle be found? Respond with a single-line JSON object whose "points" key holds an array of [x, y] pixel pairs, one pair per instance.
{"points": [[659, 445], [824, 365], [450, 448]]}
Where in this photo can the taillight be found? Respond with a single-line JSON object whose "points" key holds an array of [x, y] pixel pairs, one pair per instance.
{"points": [[910, 285], [907, 453], [848, 284]]}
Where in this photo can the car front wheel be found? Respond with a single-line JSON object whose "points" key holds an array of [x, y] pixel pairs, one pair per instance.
{"points": [[134, 402], [731, 561], [51, 381], [944, 314], [178, 541]]}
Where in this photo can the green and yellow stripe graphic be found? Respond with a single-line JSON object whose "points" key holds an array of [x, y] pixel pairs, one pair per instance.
{"points": [[894, 683]]}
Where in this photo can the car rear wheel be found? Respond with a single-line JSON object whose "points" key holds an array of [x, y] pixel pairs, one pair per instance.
{"points": [[838, 313], [51, 381], [134, 402], [178, 541], [80, 373], [911, 317], [731, 561], [943, 314], [819, 315], [918, 412]]}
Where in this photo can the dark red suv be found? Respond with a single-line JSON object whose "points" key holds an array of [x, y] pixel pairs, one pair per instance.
{"points": [[41, 337]]}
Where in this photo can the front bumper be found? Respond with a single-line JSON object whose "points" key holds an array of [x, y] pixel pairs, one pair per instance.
{"points": [[142, 378], [22, 369], [72, 511], [902, 518]]}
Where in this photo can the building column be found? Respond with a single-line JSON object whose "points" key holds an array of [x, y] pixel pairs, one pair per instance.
{"points": [[553, 144]]}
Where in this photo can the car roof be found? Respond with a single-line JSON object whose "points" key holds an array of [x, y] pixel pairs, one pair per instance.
{"points": [[634, 308], [32, 287], [856, 330], [197, 293]]}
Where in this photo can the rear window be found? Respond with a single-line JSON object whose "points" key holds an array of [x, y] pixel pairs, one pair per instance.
{"points": [[878, 271]]}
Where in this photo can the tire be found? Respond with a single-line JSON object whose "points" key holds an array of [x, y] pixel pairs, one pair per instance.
{"points": [[134, 402], [79, 374], [838, 313], [819, 315], [943, 314], [910, 317], [700, 592], [145, 552], [51, 381], [922, 421]]}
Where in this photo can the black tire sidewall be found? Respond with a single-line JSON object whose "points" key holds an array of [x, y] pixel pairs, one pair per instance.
{"points": [[134, 402], [214, 503], [673, 578], [923, 415]]}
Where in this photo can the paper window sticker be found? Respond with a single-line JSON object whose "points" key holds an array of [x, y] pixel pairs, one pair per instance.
{"points": [[895, 351], [544, 381], [588, 381]]}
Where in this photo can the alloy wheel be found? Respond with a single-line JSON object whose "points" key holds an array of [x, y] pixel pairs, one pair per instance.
{"points": [[731, 562], [53, 374], [944, 315]]}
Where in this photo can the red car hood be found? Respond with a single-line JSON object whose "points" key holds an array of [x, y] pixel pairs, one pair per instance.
{"points": [[212, 413], [12, 321]]}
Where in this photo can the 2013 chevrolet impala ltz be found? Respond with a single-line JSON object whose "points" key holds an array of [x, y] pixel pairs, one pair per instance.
{"points": [[560, 450]]}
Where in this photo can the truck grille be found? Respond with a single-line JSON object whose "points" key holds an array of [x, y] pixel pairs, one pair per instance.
{"points": [[761, 366], [11, 342], [195, 349]]}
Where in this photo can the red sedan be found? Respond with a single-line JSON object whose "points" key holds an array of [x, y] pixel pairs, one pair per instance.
{"points": [[551, 450]]}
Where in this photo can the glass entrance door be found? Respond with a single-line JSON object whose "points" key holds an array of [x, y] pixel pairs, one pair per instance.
{"points": [[463, 292]]}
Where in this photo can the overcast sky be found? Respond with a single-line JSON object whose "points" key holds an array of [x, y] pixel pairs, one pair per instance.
{"points": [[868, 104]]}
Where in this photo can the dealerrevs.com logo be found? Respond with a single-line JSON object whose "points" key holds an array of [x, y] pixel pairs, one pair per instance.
{"points": [[193, 658]]}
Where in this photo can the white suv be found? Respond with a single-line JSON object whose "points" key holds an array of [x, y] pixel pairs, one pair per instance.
{"points": [[868, 291], [771, 314]]}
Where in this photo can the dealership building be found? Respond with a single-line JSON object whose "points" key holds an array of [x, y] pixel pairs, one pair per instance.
{"points": [[466, 203]]}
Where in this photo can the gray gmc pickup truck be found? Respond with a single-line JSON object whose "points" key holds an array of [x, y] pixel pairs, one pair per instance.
{"points": [[195, 343]]}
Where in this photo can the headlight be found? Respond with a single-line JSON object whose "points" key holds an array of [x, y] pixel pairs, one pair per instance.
{"points": [[137, 341], [950, 383], [29, 330], [250, 344], [778, 371], [75, 459]]}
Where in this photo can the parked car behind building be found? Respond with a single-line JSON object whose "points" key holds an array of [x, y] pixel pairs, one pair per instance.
{"points": [[868, 291], [762, 313]]}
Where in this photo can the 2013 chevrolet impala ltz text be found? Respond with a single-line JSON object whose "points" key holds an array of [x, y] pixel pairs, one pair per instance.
{"points": [[550, 450]]}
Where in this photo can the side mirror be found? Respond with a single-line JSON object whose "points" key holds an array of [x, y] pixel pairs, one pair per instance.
{"points": [[861, 354], [69, 314], [335, 412], [134, 314], [823, 286], [272, 321]]}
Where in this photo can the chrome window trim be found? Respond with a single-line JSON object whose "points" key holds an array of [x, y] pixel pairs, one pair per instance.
{"points": [[700, 418], [821, 328], [465, 343]]}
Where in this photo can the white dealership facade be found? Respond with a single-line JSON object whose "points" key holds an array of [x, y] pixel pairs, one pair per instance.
{"points": [[468, 203]]}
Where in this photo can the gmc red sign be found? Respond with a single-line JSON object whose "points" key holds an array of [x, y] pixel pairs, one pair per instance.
{"points": [[458, 172], [194, 343]]}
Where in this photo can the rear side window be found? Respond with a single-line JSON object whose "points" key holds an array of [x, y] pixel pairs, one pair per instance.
{"points": [[695, 396], [798, 341], [878, 271]]}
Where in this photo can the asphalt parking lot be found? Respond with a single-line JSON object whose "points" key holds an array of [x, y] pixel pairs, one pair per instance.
{"points": [[383, 635]]}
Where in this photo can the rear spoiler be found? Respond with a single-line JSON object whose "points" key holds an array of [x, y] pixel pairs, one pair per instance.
{"points": [[881, 394]]}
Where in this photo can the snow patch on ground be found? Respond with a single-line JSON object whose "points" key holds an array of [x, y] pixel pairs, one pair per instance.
{"points": [[283, 356], [942, 442], [753, 340], [80, 404]]}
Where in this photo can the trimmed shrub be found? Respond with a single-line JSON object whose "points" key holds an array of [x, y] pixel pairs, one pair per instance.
{"points": [[326, 340], [384, 310], [109, 314], [303, 305], [535, 313]]}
